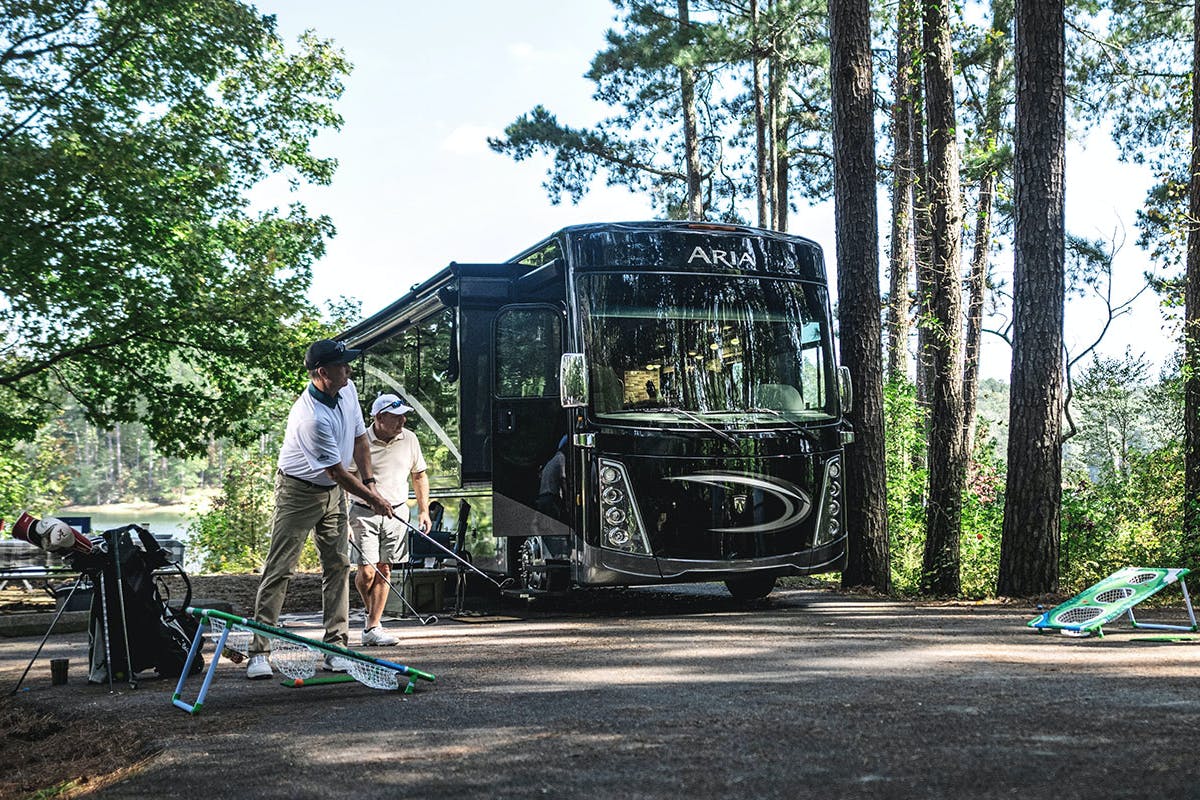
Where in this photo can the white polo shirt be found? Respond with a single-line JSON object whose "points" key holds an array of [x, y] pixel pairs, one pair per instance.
{"points": [[393, 462], [319, 436]]}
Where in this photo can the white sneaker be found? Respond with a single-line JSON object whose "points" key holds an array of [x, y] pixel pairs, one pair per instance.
{"points": [[336, 664], [258, 668], [378, 637]]}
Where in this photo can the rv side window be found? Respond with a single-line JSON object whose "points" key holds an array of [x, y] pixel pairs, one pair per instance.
{"points": [[528, 350], [418, 364]]}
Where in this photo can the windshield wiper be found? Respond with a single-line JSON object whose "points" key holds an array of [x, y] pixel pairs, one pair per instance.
{"points": [[694, 418], [776, 413]]}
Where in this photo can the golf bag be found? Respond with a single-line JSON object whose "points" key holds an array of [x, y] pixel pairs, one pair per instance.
{"points": [[132, 604]]}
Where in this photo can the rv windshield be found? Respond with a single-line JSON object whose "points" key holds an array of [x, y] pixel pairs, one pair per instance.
{"points": [[729, 349]]}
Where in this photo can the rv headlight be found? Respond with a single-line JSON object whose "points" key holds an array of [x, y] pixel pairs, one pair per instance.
{"points": [[618, 537], [829, 521], [623, 529]]}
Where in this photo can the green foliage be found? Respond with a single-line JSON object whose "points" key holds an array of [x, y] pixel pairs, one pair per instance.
{"points": [[641, 145], [904, 424], [234, 535], [1133, 63], [32, 476], [983, 499], [1123, 520], [1123, 477], [135, 279], [982, 518]]}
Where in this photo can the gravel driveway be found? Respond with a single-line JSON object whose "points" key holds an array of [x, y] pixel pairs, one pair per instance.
{"points": [[683, 693]]}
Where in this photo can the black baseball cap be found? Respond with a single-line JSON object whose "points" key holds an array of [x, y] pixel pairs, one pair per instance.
{"points": [[326, 351]]}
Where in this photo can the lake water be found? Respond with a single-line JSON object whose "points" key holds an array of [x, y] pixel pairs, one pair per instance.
{"points": [[159, 522]]}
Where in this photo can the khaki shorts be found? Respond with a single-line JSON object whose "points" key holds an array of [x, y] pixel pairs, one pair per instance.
{"points": [[381, 540]]}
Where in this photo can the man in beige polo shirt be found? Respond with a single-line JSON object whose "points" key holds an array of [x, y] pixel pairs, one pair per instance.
{"points": [[383, 540]]}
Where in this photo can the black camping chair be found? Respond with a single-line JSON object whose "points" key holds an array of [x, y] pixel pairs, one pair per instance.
{"points": [[423, 555]]}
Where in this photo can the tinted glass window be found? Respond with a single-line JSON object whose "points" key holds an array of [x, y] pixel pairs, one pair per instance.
{"points": [[528, 349], [745, 349]]}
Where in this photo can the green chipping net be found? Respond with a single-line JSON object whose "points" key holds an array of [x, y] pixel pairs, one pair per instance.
{"points": [[1087, 612], [297, 657]]}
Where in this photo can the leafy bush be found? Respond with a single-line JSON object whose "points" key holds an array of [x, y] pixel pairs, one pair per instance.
{"points": [[1123, 518], [904, 423], [234, 534], [982, 518], [907, 476]]}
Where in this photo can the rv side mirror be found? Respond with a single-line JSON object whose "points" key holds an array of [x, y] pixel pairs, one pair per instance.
{"points": [[845, 390], [572, 381]]}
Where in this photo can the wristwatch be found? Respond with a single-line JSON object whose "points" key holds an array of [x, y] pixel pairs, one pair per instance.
{"points": [[368, 481]]}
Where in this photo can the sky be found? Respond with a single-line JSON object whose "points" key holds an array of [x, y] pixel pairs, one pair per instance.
{"points": [[417, 186]]}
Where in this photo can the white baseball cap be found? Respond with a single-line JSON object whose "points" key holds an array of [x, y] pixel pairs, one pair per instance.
{"points": [[390, 404]]}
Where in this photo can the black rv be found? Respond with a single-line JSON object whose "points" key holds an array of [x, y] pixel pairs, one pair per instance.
{"points": [[622, 404]]}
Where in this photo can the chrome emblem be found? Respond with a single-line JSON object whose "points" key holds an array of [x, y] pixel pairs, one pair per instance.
{"points": [[797, 505]]}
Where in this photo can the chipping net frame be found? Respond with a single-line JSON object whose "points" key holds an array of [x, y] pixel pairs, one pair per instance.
{"points": [[1103, 602], [298, 656]]}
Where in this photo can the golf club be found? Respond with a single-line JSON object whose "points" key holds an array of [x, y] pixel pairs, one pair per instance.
{"points": [[454, 555], [429, 620]]}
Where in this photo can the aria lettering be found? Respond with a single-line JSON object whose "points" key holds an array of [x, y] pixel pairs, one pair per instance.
{"points": [[726, 258]]}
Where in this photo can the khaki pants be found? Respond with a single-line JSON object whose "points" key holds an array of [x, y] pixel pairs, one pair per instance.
{"points": [[301, 509]]}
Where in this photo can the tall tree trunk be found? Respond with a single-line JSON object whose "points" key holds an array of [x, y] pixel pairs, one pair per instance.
{"points": [[923, 241], [857, 236], [1191, 327], [781, 166], [691, 142], [976, 286], [118, 459], [947, 461], [977, 282], [761, 149], [1033, 498], [777, 80], [901, 255]]}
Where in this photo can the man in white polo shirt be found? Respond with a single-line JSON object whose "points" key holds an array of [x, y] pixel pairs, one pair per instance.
{"points": [[325, 436], [383, 540]]}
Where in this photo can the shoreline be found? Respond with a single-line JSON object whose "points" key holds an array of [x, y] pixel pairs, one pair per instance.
{"points": [[127, 508], [188, 507]]}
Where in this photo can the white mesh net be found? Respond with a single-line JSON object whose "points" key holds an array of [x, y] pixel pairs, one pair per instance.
{"points": [[300, 662], [238, 641], [295, 660], [1078, 615], [375, 676], [1111, 596]]}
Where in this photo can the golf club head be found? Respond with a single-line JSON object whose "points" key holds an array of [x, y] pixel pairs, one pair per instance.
{"points": [[50, 534], [25, 529]]}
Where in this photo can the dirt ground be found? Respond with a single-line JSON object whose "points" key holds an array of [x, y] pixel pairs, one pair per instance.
{"points": [[102, 748], [648, 693]]}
